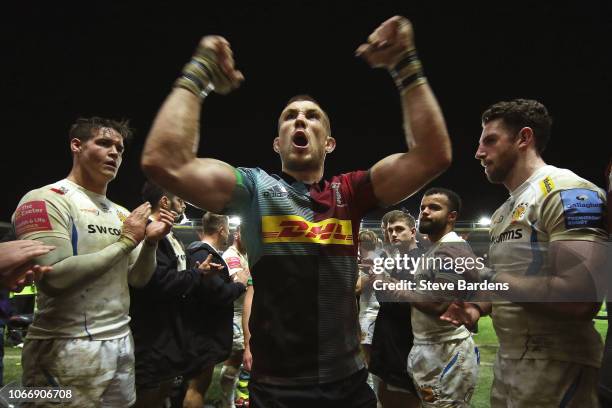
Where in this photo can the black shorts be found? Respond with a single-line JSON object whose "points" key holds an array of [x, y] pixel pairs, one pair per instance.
{"points": [[350, 392], [391, 344]]}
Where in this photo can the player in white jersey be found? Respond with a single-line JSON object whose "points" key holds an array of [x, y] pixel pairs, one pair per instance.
{"points": [[444, 360], [368, 304], [547, 245], [235, 257], [80, 337]]}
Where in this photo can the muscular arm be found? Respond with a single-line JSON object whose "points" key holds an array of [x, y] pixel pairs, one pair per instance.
{"points": [[578, 267], [426, 134], [169, 156], [429, 154], [73, 272]]}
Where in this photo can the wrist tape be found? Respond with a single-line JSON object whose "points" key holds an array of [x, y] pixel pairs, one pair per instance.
{"points": [[408, 72]]}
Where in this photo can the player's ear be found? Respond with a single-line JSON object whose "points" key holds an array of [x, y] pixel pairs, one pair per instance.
{"points": [[330, 144], [164, 203], [526, 137], [75, 145], [275, 145]]}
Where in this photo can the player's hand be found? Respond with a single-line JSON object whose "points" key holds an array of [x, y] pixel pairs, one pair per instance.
{"points": [[14, 254], [135, 224], [247, 358], [27, 277], [159, 228], [222, 54], [241, 276], [387, 43], [461, 313], [207, 266]]}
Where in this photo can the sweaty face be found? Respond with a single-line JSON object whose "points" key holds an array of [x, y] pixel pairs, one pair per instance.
{"points": [[497, 151], [100, 157], [433, 217], [399, 232], [303, 135]]}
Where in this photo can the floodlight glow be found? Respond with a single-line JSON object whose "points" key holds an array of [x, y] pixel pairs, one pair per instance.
{"points": [[484, 221], [234, 220]]}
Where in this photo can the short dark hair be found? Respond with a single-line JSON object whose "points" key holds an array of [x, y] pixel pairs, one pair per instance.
{"points": [[306, 97], [519, 113], [403, 216], [368, 239], [153, 193], [86, 128], [212, 222], [454, 201]]}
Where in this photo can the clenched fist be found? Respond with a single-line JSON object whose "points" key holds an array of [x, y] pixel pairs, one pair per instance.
{"points": [[388, 43]]}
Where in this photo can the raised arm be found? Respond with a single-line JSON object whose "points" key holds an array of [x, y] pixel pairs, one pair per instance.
{"points": [[400, 175], [169, 157]]}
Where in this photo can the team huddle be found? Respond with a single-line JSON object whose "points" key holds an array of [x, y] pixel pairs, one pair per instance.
{"points": [[124, 309]]}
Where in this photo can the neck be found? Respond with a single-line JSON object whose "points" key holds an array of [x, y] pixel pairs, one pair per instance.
{"points": [[522, 170], [238, 248], [412, 244], [437, 236], [305, 176], [83, 179], [213, 241]]}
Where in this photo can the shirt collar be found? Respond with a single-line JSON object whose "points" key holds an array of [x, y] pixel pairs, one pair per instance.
{"points": [[290, 180]]}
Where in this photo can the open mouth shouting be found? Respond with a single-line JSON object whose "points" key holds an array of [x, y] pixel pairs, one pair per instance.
{"points": [[299, 140]]}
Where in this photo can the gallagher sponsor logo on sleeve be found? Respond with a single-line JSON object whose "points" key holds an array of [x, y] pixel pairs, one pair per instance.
{"points": [[32, 217], [582, 208], [293, 228]]}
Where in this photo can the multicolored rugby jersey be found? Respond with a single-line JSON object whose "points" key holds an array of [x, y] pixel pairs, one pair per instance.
{"points": [[552, 205], [91, 222], [302, 246]]}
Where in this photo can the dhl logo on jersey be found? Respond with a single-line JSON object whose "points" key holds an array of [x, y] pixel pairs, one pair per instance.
{"points": [[293, 228]]}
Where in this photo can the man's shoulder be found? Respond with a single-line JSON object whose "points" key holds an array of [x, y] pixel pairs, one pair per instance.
{"points": [[229, 252], [252, 172], [201, 247], [57, 193], [355, 176], [555, 180]]}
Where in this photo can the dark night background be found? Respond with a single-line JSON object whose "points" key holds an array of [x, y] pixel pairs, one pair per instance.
{"points": [[119, 60]]}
